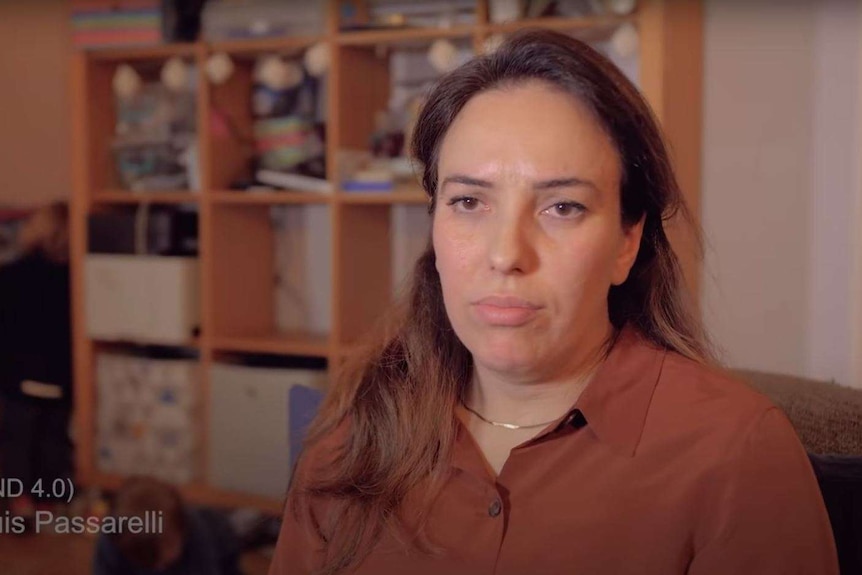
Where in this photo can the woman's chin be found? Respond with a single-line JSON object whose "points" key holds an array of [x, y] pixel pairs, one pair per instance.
{"points": [[508, 359]]}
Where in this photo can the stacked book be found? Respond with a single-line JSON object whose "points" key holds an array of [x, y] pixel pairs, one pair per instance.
{"points": [[102, 23]]}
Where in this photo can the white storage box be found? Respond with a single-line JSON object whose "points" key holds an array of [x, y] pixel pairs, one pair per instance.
{"points": [[248, 436], [147, 417], [152, 299]]}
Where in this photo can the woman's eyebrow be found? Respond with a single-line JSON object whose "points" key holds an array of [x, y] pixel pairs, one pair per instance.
{"points": [[553, 183], [466, 180], [571, 182]]}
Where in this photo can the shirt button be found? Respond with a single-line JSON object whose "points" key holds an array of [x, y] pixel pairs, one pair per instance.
{"points": [[495, 508]]}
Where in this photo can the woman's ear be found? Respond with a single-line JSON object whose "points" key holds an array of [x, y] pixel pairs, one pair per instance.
{"points": [[628, 252]]}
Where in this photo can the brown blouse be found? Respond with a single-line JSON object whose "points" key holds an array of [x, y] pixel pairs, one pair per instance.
{"points": [[662, 467]]}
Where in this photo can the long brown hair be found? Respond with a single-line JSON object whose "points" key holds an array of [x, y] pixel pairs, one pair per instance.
{"points": [[392, 406]]}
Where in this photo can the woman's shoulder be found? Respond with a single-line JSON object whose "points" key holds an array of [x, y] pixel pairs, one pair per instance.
{"points": [[709, 397], [715, 420], [707, 384]]}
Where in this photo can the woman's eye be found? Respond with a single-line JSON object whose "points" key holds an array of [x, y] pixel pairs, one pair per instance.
{"points": [[565, 209], [465, 203]]}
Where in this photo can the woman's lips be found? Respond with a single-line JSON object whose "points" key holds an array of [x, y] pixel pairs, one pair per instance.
{"points": [[508, 311]]}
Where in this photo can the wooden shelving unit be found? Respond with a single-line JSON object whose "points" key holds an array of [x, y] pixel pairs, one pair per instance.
{"points": [[237, 303]]}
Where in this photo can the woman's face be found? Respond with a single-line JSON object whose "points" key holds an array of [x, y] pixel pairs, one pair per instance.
{"points": [[527, 230]]}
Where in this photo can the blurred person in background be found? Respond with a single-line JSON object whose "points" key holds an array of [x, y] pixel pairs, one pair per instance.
{"points": [[188, 541], [35, 358]]}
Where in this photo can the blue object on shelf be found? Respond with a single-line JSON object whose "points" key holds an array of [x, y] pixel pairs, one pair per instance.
{"points": [[351, 186], [302, 405]]}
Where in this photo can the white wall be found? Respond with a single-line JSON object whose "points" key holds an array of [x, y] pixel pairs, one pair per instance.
{"points": [[34, 102], [835, 188], [856, 281], [781, 185]]}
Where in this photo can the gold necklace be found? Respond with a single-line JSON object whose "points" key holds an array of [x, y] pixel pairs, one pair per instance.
{"points": [[506, 425]]}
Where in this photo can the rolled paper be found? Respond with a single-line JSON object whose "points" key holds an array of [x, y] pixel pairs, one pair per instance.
{"points": [[316, 59], [624, 42], [219, 68], [443, 55], [175, 74], [126, 82]]}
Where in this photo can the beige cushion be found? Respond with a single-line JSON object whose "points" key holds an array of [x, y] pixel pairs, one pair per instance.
{"points": [[827, 416]]}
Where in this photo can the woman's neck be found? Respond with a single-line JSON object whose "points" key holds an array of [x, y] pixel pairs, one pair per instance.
{"points": [[536, 397]]}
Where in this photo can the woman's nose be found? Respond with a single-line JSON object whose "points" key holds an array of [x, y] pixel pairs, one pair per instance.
{"points": [[511, 247]]}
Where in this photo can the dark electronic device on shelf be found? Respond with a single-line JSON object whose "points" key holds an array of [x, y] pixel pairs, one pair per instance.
{"points": [[169, 232]]}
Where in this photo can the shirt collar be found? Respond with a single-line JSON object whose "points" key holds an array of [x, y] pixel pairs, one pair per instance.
{"points": [[613, 405], [616, 401]]}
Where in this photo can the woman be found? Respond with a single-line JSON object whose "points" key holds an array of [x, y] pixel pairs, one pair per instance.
{"points": [[547, 402]]}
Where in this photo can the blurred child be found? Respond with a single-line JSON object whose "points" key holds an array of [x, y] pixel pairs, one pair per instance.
{"points": [[35, 357], [191, 542]]}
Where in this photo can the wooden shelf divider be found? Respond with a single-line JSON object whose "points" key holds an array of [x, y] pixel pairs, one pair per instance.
{"points": [[264, 198], [279, 344], [375, 198], [264, 45], [131, 197], [145, 52]]}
